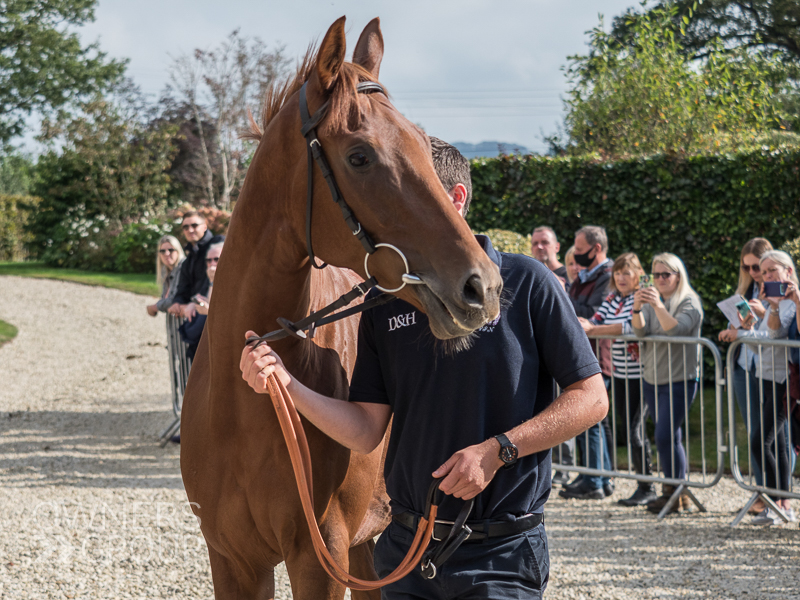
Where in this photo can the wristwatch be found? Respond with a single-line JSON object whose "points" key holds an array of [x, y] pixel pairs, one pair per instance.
{"points": [[508, 451]]}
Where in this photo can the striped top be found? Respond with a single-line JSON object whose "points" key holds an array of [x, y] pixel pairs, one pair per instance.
{"points": [[617, 309]]}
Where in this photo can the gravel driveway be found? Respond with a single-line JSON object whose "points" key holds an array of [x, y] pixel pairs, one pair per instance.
{"points": [[91, 507]]}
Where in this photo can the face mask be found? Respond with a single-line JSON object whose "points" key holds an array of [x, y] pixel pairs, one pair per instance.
{"points": [[583, 259]]}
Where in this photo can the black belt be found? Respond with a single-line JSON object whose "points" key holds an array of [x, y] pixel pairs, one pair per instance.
{"points": [[480, 529]]}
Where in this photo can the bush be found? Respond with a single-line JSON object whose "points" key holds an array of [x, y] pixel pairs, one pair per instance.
{"points": [[15, 213], [792, 247], [135, 247], [78, 241], [509, 241], [702, 208]]}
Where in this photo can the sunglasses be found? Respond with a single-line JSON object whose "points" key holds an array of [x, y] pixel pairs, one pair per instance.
{"points": [[214, 259], [664, 275], [167, 251], [189, 226], [752, 268]]}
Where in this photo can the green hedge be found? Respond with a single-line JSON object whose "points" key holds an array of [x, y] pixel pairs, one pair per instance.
{"points": [[702, 208], [15, 214]]}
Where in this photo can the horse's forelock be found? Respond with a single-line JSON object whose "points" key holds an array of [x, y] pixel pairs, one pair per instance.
{"points": [[346, 107]]}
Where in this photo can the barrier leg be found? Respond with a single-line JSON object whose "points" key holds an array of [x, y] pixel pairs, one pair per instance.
{"points": [[694, 499], [680, 490], [171, 430]]}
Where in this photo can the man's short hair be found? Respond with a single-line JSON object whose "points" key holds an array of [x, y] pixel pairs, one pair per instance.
{"points": [[193, 213], [546, 228], [451, 167], [594, 234]]}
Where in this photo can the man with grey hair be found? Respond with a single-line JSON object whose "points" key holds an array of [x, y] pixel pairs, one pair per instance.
{"points": [[545, 247], [587, 293]]}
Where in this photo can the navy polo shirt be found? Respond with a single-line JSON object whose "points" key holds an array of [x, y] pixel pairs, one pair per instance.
{"points": [[442, 404]]}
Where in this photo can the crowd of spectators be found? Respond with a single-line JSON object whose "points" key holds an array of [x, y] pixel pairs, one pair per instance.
{"points": [[618, 297], [613, 297], [186, 275]]}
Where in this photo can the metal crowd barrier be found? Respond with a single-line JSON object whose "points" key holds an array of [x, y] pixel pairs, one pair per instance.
{"points": [[708, 431], [179, 366], [776, 403]]}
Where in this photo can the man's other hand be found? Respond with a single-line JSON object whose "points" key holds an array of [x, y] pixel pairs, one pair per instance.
{"points": [[468, 472]]}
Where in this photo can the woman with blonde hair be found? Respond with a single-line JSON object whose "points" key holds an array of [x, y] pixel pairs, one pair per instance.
{"points": [[169, 259], [670, 307], [573, 268]]}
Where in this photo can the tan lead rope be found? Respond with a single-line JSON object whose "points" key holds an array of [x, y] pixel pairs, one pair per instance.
{"points": [[300, 456]]}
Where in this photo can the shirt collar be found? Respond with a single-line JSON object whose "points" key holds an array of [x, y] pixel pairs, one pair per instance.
{"points": [[486, 244], [586, 274]]}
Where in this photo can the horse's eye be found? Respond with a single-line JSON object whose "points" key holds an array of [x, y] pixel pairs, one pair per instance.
{"points": [[358, 159]]}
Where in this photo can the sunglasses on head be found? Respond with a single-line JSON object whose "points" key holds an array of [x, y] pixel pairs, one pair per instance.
{"points": [[213, 259], [664, 275], [752, 268], [167, 251], [189, 226]]}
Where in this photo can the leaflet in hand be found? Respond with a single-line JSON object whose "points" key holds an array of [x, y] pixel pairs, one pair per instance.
{"points": [[734, 307]]}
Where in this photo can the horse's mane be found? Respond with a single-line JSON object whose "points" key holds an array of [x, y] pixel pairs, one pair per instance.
{"points": [[345, 110]]}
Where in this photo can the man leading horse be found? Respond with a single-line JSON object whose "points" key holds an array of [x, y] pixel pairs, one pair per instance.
{"points": [[481, 415]]}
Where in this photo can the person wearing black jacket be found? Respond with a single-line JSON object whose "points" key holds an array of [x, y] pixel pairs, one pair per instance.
{"points": [[193, 278]]}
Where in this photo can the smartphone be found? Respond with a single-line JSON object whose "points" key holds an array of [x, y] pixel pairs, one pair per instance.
{"points": [[744, 308], [645, 281], [775, 288]]}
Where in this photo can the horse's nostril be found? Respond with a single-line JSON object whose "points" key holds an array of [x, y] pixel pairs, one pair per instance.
{"points": [[474, 291]]}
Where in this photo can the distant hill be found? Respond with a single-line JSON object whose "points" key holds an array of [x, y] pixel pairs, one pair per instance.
{"points": [[489, 149]]}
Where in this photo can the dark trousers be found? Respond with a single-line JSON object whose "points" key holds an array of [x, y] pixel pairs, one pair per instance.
{"points": [[669, 416], [775, 461], [631, 413], [500, 568]]}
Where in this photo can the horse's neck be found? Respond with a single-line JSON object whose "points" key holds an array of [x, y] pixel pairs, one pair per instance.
{"points": [[264, 276]]}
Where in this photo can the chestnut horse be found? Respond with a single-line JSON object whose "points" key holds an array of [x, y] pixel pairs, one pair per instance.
{"points": [[234, 461]]}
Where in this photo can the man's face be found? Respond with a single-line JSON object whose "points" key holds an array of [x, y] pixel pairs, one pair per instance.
{"points": [[193, 229], [544, 247], [585, 253]]}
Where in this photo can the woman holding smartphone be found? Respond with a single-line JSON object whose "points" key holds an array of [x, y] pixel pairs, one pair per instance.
{"points": [[614, 318], [745, 385], [772, 451], [670, 308]]}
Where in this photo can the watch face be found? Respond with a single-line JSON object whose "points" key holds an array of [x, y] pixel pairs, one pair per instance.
{"points": [[508, 454]]}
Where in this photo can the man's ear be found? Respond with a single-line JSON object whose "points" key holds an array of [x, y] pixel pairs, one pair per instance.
{"points": [[458, 195], [331, 55], [369, 49]]}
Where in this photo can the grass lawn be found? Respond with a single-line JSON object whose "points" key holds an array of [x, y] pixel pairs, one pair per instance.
{"points": [[7, 332], [138, 283]]}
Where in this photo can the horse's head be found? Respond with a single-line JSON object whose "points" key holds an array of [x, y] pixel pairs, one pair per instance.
{"points": [[383, 167]]}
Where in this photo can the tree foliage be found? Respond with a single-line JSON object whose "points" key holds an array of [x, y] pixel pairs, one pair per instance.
{"points": [[755, 24], [643, 95], [42, 65], [218, 86], [106, 169]]}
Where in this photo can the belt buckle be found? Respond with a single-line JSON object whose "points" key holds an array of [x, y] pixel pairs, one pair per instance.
{"points": [[440, 522]]}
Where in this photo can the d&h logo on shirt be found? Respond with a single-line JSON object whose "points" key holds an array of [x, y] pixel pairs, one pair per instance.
{"points": [[402, 320]]}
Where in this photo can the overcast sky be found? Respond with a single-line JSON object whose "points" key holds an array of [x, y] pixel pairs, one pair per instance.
{"points": [[466, 70]]}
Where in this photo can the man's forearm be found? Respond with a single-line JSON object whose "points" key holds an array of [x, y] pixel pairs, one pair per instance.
{"points": [[577, 408], [356, 426]]}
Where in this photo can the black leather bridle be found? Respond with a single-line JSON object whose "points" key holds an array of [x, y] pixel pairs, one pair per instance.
{"points": [[316, 155]]}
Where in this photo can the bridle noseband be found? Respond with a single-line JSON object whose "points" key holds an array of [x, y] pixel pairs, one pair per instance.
{"points": [[316, 155]]}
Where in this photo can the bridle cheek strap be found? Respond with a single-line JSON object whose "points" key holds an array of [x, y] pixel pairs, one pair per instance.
{"points": [[316, 155]]}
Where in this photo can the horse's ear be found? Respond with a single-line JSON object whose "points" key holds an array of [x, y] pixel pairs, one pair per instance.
{"points": [[369, 49], [331, 54]]}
